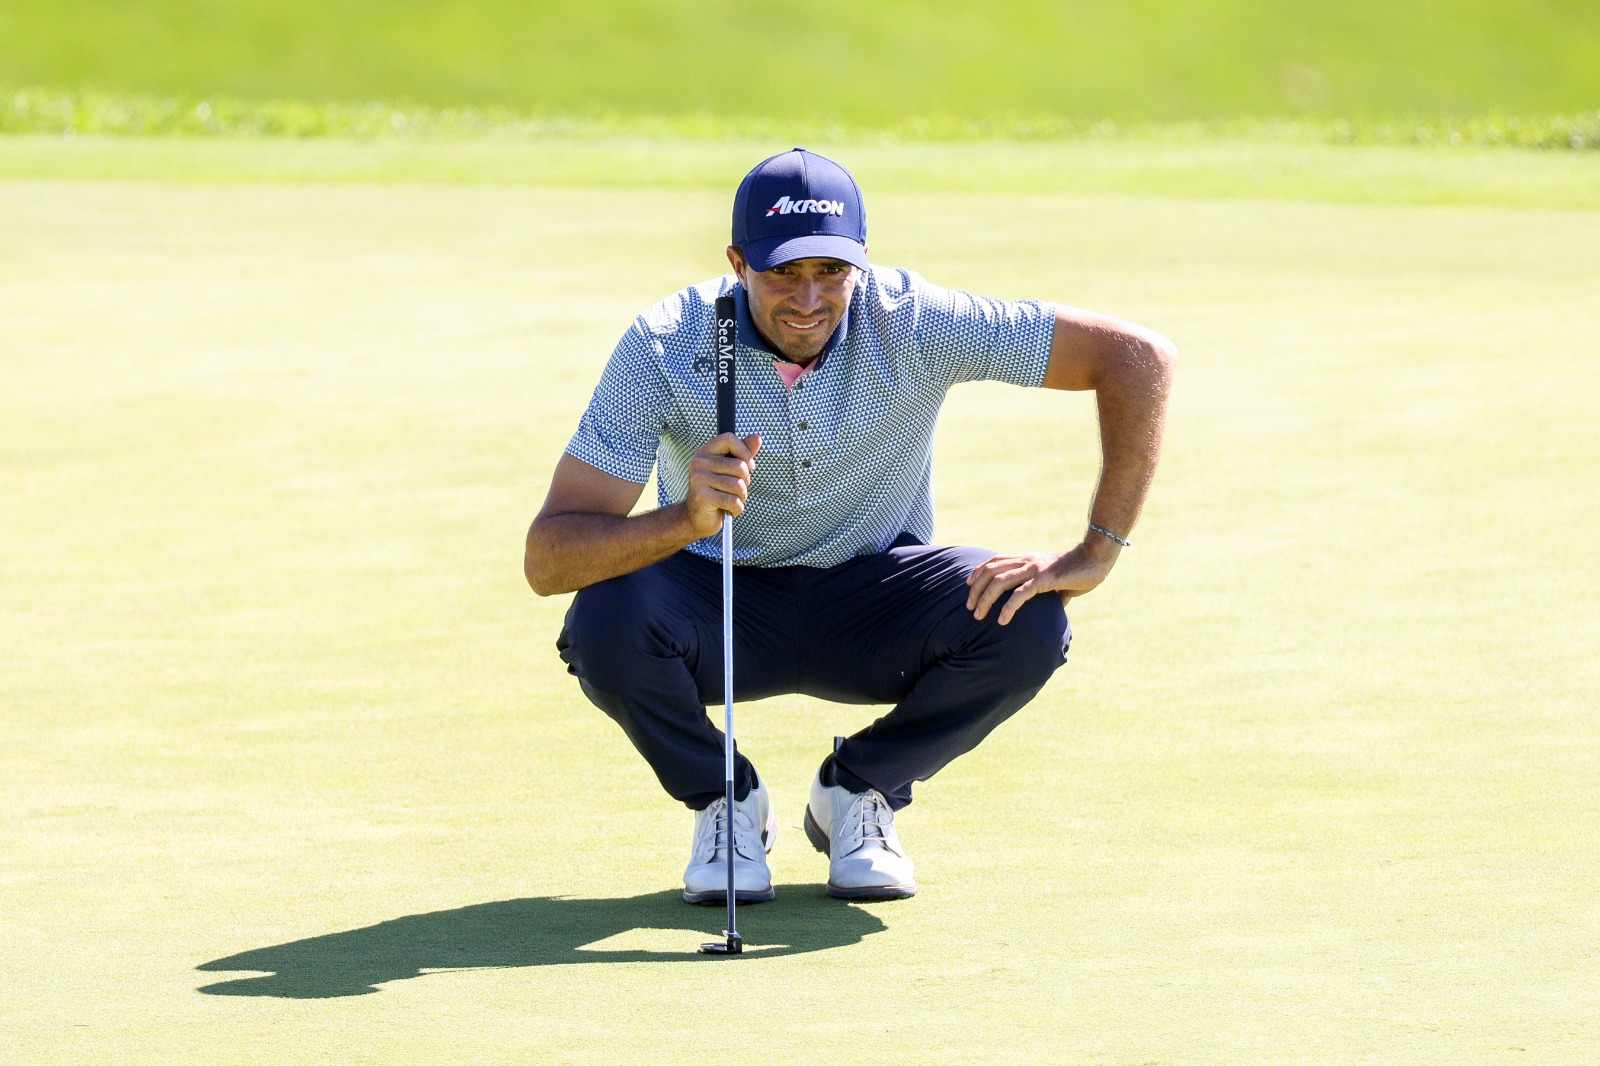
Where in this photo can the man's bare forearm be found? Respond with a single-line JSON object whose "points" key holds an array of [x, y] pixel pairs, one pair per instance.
{"points": [[567, 552], [1131, 396], [584, 533]]}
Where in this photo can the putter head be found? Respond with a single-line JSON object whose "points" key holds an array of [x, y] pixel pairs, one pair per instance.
{"points": [[734, 945]]}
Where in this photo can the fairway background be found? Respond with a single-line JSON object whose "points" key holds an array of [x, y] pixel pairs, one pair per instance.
{"points": [[873, 64], [289, 770]]}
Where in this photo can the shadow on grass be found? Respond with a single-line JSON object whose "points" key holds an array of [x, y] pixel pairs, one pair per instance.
{"points": [[543, 931]]}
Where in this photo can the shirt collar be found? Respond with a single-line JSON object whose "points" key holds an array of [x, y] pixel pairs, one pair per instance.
{"points": [[750, 336]]}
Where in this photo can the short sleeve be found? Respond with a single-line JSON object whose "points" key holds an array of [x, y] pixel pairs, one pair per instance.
{"points": [[620, 431], [964, 337]]}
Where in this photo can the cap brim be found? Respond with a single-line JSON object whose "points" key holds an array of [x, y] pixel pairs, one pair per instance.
{"points": [[768, 253]]}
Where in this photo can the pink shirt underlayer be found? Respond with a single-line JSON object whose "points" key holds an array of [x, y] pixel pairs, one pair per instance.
{"points": [[790, 372]]}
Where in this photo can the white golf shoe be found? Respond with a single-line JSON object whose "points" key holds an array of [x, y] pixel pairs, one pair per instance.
{"points": [[754, 828], [856, 831]]}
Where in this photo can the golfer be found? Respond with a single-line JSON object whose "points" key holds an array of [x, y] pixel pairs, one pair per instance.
{"points": [[842, 595]]}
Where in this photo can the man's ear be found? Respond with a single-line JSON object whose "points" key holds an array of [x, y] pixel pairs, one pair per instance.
{"points": [[736, 259]]}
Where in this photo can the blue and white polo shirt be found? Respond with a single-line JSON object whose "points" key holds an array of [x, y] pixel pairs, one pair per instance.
{"points": [[846, 457]]}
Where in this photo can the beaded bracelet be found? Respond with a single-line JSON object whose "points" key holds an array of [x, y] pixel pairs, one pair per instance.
{"points": [[1108, 533]]}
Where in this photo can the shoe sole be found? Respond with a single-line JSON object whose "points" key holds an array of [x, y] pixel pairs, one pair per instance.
{"points": [[819, 840], [707, 899], [878, 893]]}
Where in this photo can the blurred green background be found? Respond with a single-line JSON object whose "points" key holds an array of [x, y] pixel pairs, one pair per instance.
{"points": [[862, 64]]}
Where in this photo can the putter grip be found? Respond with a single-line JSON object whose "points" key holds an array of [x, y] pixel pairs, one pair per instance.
{"points": [[726, 342]]}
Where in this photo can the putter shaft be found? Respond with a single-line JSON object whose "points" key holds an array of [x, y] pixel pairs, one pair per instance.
{"points": [[727, 702]]}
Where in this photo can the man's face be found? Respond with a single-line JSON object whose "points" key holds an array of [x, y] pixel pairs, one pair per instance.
{"points": [[798, 304]]}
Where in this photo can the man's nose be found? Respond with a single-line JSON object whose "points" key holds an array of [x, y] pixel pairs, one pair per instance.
{"points": [[807, 295]]}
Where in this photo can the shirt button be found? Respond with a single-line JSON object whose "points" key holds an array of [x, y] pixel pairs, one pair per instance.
{"points": [[806, 463], [803, 425]]}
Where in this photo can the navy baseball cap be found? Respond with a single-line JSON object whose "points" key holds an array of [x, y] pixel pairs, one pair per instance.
{"points": [[799, 205]]}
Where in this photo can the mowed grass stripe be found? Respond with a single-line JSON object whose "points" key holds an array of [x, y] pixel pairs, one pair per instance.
{"points": [[1211, 169]]}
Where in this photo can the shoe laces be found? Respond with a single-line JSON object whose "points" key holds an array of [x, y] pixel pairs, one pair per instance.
{"points": [[714, 831], [869, 817]]}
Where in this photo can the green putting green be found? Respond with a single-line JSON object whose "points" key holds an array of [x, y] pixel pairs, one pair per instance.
{"points": [[290, 770]]}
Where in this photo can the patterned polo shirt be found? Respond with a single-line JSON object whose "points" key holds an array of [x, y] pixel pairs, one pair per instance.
{"points": [[846, 459]]}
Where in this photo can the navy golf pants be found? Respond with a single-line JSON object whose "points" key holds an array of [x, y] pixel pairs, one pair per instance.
{"points": [[891, 628]]}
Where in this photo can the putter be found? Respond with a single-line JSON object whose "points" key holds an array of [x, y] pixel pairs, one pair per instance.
{"points": [[727, 338]]}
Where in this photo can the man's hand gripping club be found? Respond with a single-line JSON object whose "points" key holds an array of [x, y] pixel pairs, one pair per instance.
{"points": [[586, 532], [719, 481]]}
